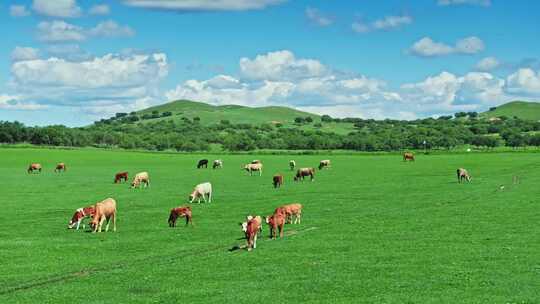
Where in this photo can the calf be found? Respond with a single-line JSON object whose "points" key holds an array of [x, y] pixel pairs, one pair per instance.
{"points": [[276, 221], [303, 172], [324, 164], [34, 167], [60, 167], [140, 179], [252, 229], [463, 174], [120, 176], [180, 212], [105, 210], [201, 190], [202, 163], [249, 218], [277, 180], [79, 215]]}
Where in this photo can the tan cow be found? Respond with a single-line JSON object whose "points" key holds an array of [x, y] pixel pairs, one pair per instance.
{"points": [[139, 179], [254, 167], [324, 164], [104, 210], [60, 167], [303, 172], [290, 211], [276, 222], [408, 156], [463, 174]]}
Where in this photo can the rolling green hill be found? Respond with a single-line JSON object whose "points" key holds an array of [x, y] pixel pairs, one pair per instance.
{"points": [[522, 109], [210, 114]]}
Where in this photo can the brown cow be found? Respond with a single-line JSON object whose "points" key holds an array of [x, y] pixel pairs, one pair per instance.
{"points": [[79, 215], [277, 180], [463, 174], [104, 210], [60, 167], [34, 167], [408, 156], [276, 221], [303, 172], [290, 211], [180, 212], [121, 176], [252, 229]]}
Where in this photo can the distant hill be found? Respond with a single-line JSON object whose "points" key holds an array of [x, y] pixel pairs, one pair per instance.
{"points": [[522, 109], [210, 114]]}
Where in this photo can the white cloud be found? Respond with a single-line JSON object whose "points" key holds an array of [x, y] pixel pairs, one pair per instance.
{"points": [[391, 22], [100, 9], [426, 47], [524, 81], [111, 29], [8, 102], [459, 2], [488, 64], [386, 23], [315, 16], [18, 11], [24, 53], [98, 85], [57, 8], [203, 5], [70, 52], [58, 31]]}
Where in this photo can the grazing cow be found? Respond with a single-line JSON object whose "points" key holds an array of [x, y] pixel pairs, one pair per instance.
{"points": [[324, 164], [60, 167], [252, 229], [254, 167], [408, 156], [139, 179], [105, 210], [201, 190], [463, 174], [249, 218], [120, 176], [202, 163], [217, 164], [290, 211], [303, 172], [276, 221], [292, 164], [34, 167], [180, 212], [277, 180], [79, 215]]}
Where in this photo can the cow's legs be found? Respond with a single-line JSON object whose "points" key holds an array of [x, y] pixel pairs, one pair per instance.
{"points": [[114, 221], [100, 224], [255, 241], [107, 226], [210, 196]]}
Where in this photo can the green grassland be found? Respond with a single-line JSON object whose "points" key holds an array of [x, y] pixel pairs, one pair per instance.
{"points": [[522, 109], [374, 230], [236, 114]]}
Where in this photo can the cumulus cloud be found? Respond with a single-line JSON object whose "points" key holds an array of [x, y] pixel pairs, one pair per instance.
{"points": [[203, 5], [111, 29], [387, 23], [8, 102], [100, 9], [99, 84], [318, 18], [57, 8], [18, 11], [524, 81], [488, 64], [24, 53], [426, 47], [461, 2]]}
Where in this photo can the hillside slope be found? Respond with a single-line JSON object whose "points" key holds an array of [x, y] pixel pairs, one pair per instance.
{"points": [[522, 109]]}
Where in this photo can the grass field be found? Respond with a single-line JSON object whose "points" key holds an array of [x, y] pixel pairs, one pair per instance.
{"points": [[374, 230]]}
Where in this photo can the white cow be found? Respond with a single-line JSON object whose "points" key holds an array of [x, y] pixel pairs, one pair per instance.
{"points": [[201, 190]]}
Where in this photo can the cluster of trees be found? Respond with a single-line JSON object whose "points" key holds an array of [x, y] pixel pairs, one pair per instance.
{"points": [[369, 135]]}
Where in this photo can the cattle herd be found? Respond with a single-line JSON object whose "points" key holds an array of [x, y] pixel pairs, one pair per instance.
{"points": [[105, 211]]}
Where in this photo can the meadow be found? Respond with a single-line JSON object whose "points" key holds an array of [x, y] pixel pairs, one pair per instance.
{"points": [[374, 230]]}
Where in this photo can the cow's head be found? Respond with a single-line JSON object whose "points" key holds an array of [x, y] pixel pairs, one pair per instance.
{"points": [[134, 184], [76, 218], [244, 226]]}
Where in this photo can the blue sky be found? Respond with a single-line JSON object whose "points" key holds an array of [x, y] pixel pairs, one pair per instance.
{"points": [[72, 61]]}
